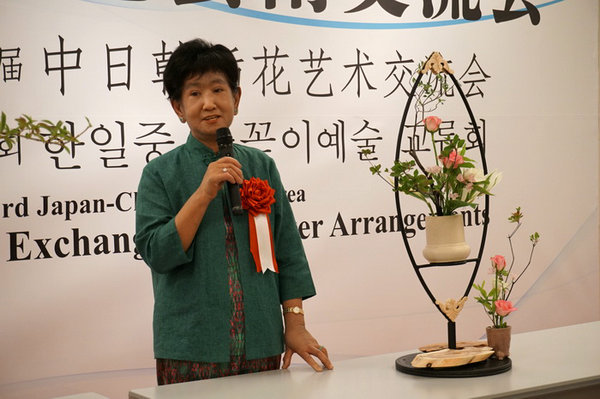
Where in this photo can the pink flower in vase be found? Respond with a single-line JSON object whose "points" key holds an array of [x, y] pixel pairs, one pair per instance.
{"points": [[498, 262], [432, 123], [453, 160], [433, 170], [504, 308]]}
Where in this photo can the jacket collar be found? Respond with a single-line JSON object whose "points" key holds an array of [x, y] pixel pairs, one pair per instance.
{"points": [[198, 148]]}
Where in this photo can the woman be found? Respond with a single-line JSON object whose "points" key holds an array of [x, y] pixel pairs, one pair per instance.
{"points": [[214, 314]]}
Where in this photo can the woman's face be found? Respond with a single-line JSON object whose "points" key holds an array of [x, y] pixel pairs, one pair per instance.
{"points": [[207, 104]]}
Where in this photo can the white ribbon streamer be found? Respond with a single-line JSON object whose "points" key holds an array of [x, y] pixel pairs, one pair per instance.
{"points": [[263, 238]]}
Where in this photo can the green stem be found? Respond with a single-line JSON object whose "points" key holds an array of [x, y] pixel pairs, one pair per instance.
{"points": [[434, 149]]}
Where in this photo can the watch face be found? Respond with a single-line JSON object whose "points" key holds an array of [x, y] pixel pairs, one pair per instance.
{"points": [[295, 310]]}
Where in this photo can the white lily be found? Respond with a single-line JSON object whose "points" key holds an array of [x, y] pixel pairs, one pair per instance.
{"points": [[473, 175], [494, 178]]}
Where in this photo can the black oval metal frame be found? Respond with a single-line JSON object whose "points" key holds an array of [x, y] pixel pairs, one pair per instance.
{"points": [[403, 364]]}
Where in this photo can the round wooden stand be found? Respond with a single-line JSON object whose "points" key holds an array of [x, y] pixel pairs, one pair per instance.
{"points": [[491, 366]]}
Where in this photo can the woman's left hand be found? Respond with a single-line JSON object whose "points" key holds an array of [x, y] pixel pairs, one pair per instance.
{"points": [[299, 340]]}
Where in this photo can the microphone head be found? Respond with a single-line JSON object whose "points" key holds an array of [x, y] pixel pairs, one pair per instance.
{"points": [[224, 136]]}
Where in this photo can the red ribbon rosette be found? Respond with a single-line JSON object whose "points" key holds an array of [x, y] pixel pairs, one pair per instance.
{"points": [[257, 197]]}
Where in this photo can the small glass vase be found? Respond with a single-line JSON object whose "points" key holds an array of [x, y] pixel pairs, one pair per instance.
{"points": [[499, 340]]}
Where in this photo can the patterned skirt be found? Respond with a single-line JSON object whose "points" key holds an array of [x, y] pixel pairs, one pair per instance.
{"points": [[171, 371]]}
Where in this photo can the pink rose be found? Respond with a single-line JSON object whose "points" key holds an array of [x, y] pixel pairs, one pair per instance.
{"points": [[504, 308], [453, 160], [498, 262], [432, 123]]}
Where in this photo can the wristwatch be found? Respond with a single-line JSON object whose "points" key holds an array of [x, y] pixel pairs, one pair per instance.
{"points": [[295, 310]]}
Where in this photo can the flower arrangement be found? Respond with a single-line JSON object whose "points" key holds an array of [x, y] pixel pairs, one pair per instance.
{"points": [[451, 183], [495, 301]]}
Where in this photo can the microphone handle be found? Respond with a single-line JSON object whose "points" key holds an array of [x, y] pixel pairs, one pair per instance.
{"points": [[225, 144], [234, 197], [234, 189]]}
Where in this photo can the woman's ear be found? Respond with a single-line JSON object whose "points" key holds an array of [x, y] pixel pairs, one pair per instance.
{"points": [[236, 100], [176, 105]]}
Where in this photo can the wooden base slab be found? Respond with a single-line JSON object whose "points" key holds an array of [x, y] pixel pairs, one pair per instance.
{"points": [[491, 366]]}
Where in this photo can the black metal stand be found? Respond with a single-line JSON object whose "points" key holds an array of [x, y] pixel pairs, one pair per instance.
{"points": [[451, 335]]}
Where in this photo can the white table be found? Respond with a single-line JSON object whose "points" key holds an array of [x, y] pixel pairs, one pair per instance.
{"points": [[87, 395], [543, 362]]}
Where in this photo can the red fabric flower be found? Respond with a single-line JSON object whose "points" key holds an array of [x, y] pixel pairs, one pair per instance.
{"points": [[257, 196]]}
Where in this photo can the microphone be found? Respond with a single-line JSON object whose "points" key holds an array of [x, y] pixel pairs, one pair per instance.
{"points": [[225, 143]]}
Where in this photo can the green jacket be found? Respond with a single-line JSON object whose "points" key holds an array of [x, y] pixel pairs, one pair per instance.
{"points": [[191, 297]]}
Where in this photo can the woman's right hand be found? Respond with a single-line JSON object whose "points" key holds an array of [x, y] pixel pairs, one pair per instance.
{"points": [[226, 169]]}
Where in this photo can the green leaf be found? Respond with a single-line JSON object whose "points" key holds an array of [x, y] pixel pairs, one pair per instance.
{"points": [[375, 169], [44, 131]]}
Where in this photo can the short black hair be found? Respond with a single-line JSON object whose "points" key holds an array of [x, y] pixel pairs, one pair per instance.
{"points": [[195, 58]]}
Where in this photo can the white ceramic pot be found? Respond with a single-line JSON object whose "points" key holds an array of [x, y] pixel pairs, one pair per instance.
{"points": [[445, 239]]}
